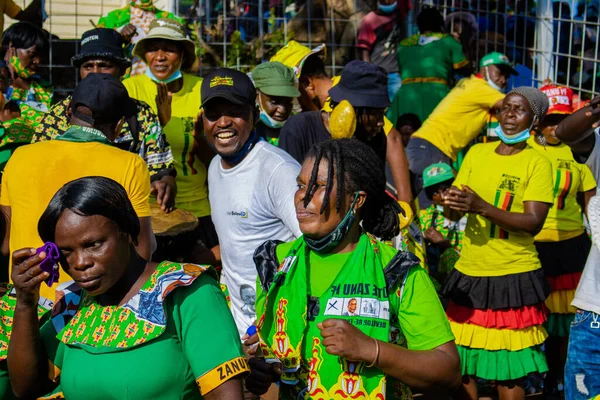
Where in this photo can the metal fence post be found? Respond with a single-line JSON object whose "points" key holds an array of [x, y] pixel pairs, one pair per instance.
{"points": [[545, 41]]}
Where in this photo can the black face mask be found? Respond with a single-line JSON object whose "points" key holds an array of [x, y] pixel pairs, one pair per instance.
{"points": [[329, 242], [317, 102]]}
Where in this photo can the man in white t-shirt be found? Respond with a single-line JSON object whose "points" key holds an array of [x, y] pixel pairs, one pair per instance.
{"points": [[251, 186], [582, 371]]}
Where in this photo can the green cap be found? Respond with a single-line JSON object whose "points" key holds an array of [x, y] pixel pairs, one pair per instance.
{"points": [[436, 173], [498, 59], [275, 79]]}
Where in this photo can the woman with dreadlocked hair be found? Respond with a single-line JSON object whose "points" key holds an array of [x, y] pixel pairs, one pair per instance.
{"points": [[497, 289], [340, 313]]}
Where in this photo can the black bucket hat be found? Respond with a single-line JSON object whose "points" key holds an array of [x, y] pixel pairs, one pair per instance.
{"points": [[363, 84], [101, 43]]}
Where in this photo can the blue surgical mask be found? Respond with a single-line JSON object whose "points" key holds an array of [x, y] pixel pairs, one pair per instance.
{"points": [[516, 138], [266, 118], [491, 82], [387, 9], [269, 121], [170, 79]]}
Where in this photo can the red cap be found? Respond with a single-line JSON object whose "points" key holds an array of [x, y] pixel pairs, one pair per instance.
{"points": [[560, 98]]}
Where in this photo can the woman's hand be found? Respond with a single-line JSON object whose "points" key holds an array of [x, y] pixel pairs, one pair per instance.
{"points": [[465, 200], [27, 276], [127, 33], [262, 375], [249, 344], [341, 338], [163, 104]]}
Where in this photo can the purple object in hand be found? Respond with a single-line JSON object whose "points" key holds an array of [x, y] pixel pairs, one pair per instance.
{"points": [[50, 263]]}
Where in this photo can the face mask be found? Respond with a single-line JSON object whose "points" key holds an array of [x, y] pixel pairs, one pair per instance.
{"points": [[20, 70], [266, 118], [269, 121], [237, 157], [491, 82], [387, 9], [317, 102], [328, 242], [516, 138], [170, 79]]}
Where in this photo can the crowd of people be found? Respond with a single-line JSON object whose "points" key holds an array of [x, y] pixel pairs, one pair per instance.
{"points": [[350, 236]]}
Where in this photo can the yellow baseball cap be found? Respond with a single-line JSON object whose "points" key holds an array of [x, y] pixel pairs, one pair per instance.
{"points": [[294, 55]]}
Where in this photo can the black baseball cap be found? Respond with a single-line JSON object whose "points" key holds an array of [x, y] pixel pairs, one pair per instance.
{"points": [[228, 84], [363, 84], [101, 43], [105, 96]]}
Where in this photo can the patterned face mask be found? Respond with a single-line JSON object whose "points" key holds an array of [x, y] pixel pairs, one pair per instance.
{"points": [[20, 70], [143, 4]]}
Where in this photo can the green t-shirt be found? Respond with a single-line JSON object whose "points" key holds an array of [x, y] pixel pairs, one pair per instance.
{"points": [[421, 315], [324, 268], [180, 363], [422, 319], [410, 315]]}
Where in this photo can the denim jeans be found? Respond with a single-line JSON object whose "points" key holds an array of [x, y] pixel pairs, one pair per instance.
{"points": [[582, 372]]}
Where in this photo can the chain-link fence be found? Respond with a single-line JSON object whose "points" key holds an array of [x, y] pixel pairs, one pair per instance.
{"points": [[546, 39], [233, 33], [241, 34]]}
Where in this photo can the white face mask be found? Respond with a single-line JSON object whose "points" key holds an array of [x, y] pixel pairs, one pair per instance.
{"points": [[266, 118], [491, 82]]}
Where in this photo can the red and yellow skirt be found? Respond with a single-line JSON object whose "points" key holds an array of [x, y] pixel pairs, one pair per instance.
{"points": [[562, 263], [498, 323]]}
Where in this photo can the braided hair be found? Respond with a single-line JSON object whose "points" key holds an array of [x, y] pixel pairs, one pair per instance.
{"points": [[356, 167]]}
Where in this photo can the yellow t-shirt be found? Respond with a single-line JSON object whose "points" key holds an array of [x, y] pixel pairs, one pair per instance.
{"points": [[192, 189], [9, 8], [505, 182], [387, 124], [37, 171], [460, 116], [564, 219]]}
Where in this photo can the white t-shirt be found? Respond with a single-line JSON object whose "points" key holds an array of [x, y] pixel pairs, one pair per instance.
{"points": [[586, 296], [251, 203]]}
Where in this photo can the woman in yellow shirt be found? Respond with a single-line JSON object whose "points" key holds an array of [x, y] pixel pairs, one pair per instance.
{"points": [[497, 289], [175, 98], [563, 244]]}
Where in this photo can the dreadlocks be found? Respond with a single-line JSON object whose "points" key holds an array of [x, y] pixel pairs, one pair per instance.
{"points": [[356, 167]]}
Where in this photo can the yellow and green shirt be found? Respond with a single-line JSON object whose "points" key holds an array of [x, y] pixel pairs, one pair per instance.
{"points": [[564, 220], [192, 189], [151, 145], [506, 182]]}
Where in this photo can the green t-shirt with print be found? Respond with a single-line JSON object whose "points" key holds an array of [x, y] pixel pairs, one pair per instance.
{"points": [[416, 318]]}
